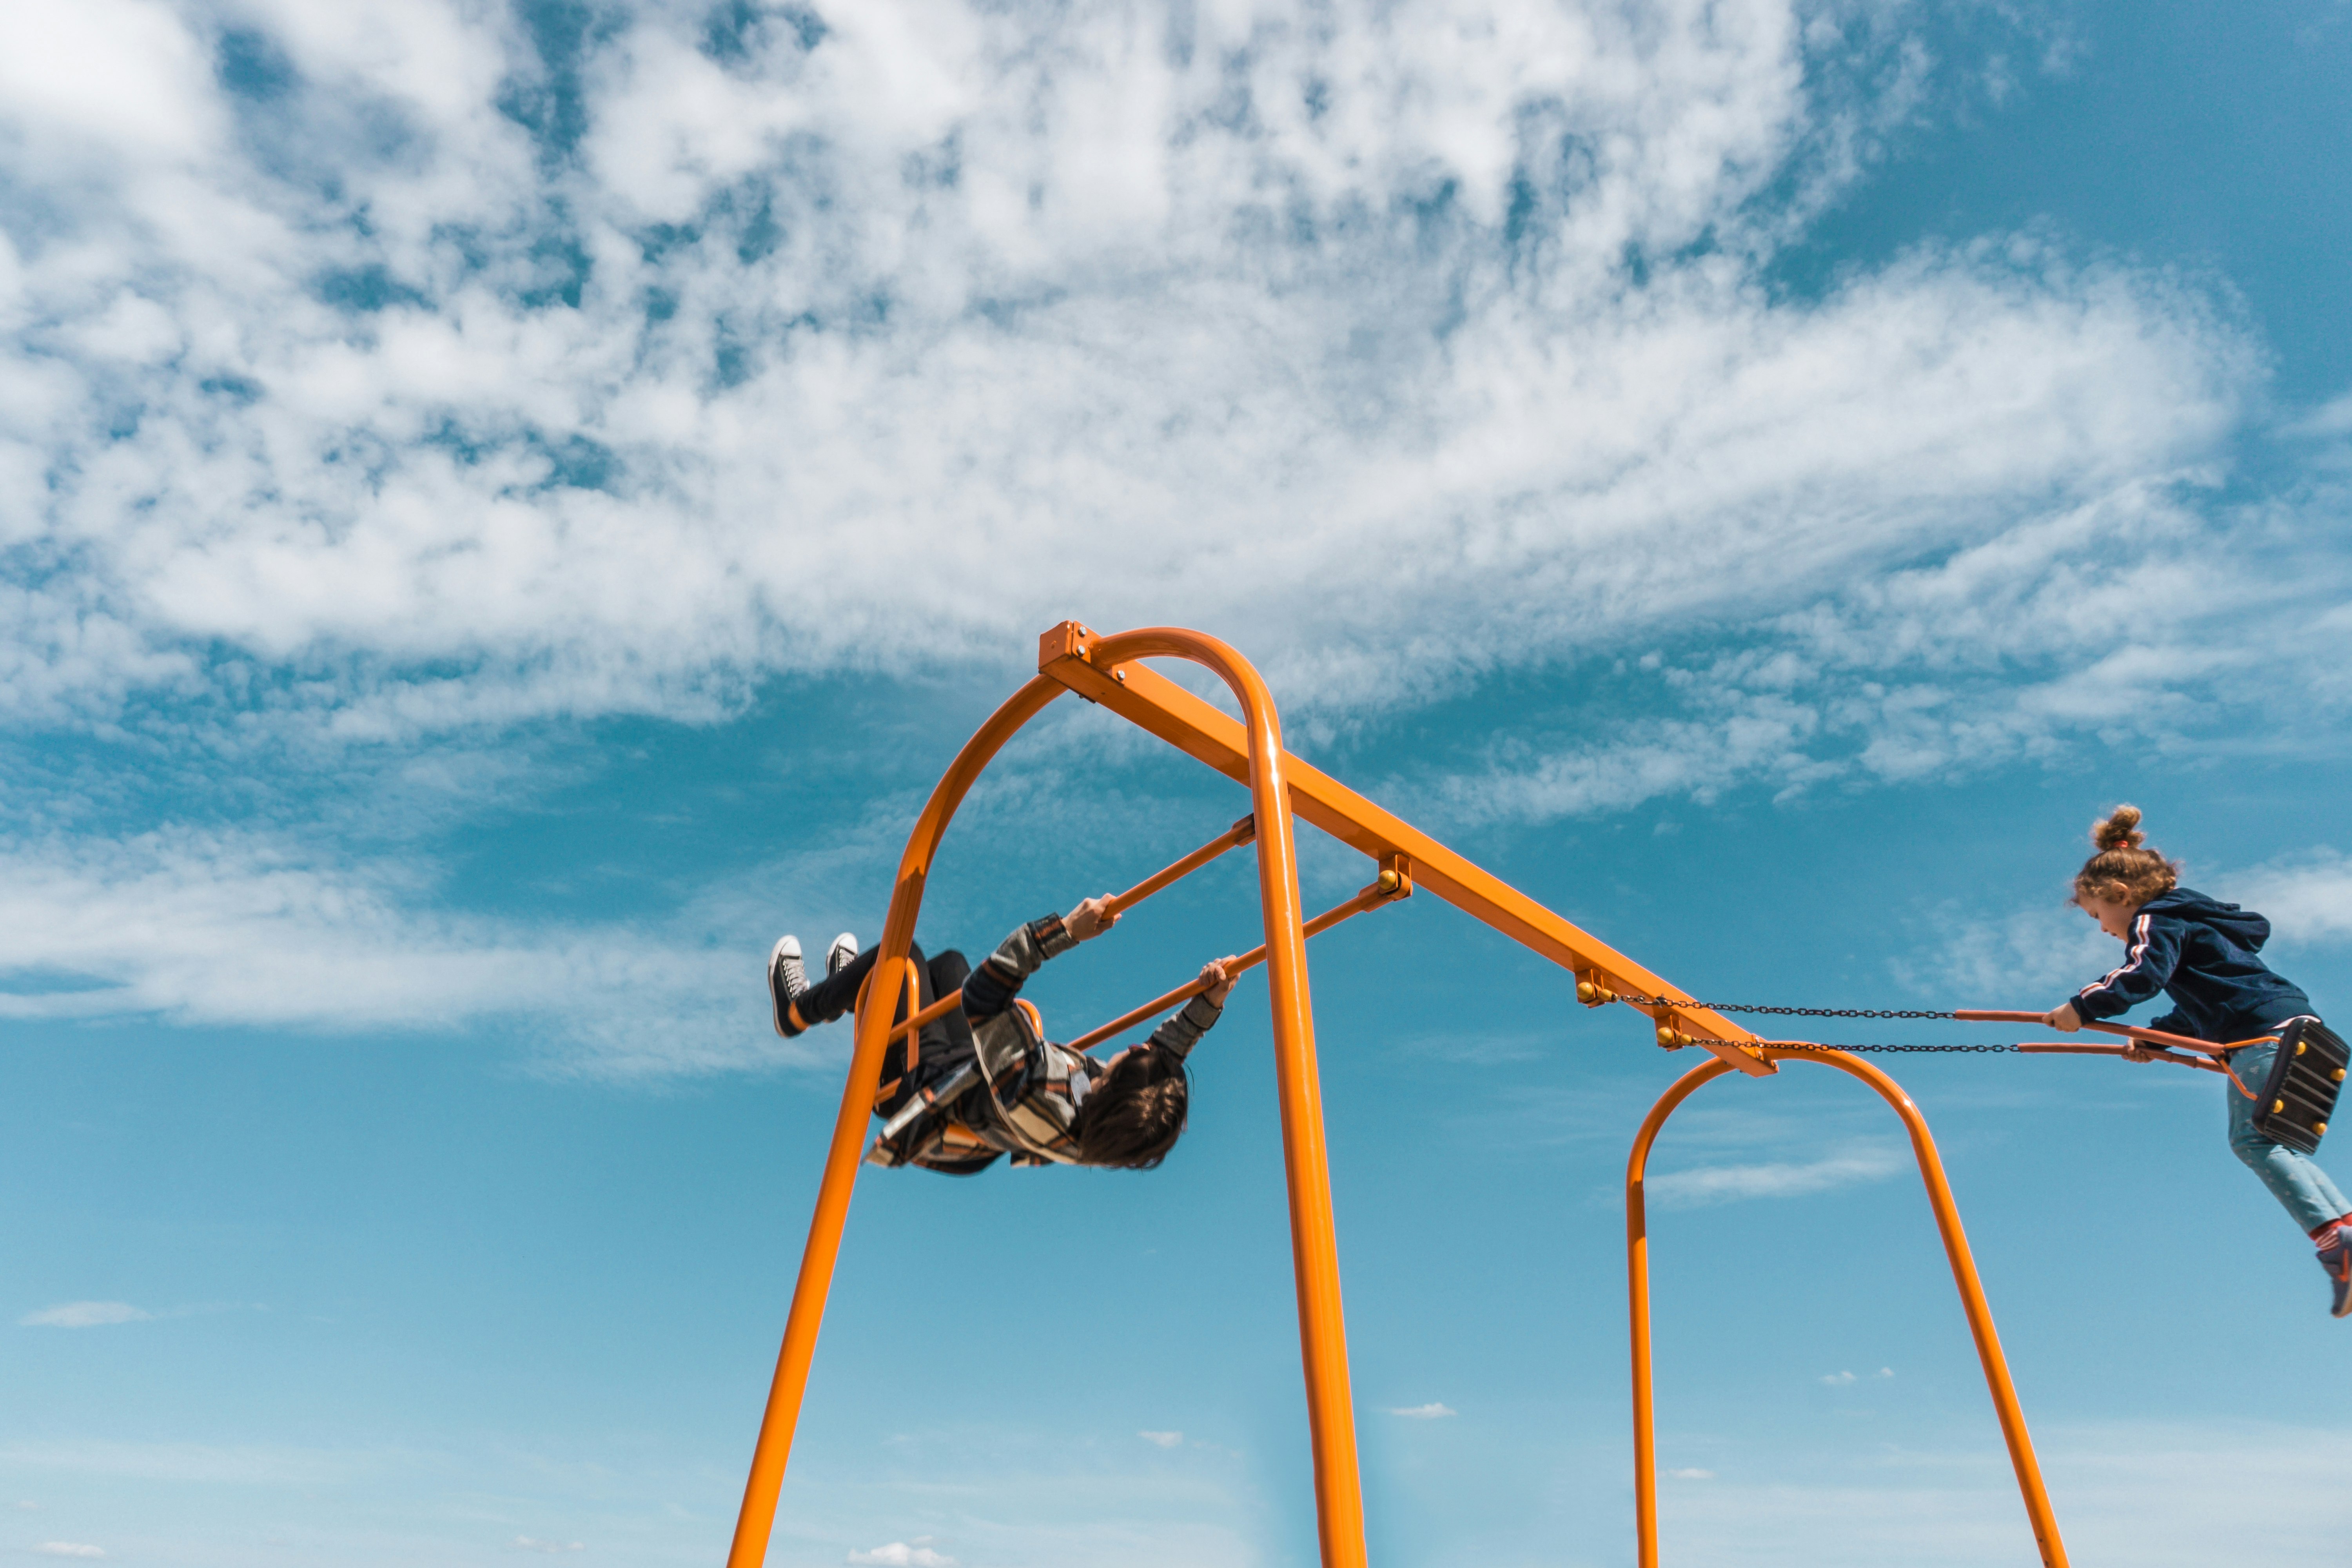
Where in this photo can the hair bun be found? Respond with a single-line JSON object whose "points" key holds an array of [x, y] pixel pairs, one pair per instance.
{"points": [[2119, 830]]}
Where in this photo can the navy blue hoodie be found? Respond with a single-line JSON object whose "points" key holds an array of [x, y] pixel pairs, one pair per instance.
{"points": [[2200, 953]]}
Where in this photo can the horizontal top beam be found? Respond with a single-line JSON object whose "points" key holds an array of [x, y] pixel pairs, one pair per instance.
{"points": [[1092, 667]]}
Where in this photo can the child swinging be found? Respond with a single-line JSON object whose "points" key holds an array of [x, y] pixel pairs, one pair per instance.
{"points": [[994, 1083], [2202, 954]]}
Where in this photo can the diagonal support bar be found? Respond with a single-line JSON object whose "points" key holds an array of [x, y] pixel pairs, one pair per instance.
{"points": [[1073, 656]]}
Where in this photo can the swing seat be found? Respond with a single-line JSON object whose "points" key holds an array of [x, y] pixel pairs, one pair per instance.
{"points": [[2299, 1096]]}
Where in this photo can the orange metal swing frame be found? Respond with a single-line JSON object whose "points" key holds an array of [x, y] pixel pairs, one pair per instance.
{"points": [[1109, 670], [2021, 1459]]}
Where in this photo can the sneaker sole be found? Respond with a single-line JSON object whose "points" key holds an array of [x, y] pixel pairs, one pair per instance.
{"points": [[777, 1000]]}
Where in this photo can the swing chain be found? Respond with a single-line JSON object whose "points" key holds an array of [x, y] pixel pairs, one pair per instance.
{"points": [[1810, 1046], [1781, 1012]]}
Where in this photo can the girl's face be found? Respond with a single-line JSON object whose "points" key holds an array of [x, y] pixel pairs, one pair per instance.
{"points": [[2115, 919]]}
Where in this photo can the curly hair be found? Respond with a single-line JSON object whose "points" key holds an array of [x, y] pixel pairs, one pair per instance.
{"points": [[1134, 1116], [2123, 872]]}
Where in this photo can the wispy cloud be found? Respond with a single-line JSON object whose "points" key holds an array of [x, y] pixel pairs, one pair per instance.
{"points": [[532, 1543], [211, 928], [1692, 1475], [1709, 1185], [454, 411], [1430, 1412], [904, 1555], [1163, 1439], [212, 1464], [1846, 1379], [84, 1315], [2309, 896], [68, 1549]]}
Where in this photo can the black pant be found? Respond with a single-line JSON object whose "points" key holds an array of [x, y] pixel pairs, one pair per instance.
{"points": [[943, 1044]]}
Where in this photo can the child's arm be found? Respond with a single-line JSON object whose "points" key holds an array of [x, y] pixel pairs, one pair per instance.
{"points": [[2150, 951], [990, 988], [1182, 1032]]}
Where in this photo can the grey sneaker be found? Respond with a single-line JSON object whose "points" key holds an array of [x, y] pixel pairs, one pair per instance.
{"points": [[838, 956], [786, 981]]}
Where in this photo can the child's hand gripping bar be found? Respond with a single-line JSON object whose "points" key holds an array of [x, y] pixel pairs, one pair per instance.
{"points": [[1232, 837]]}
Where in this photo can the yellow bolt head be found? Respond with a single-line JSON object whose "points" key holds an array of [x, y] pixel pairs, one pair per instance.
{"points": [[1587, 992], [2277, 1105], [1665, 1035], [2299, 1048], [2320, 1128]]}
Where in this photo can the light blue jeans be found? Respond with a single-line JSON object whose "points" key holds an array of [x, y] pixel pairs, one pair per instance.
{"points": [[2294, 1178]]}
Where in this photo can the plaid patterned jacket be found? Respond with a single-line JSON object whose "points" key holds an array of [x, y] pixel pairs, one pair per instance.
{"points": [[1030, 1090]]}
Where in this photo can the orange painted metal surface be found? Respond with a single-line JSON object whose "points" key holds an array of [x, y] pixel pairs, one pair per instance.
{"points": [[1387, 890], [1232, 837], [2022, 1459], [2129, 1031], [1155, 703], [757, 1515], [1314, 1241], [1107, 670]]}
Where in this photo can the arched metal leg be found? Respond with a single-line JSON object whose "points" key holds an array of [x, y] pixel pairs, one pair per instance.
{"points": [[1956, 1249], [1339, 1495]]}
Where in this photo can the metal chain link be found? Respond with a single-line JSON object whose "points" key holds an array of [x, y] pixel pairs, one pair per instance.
{"points": [[1823, 1013], [1780, 1012], [1810, 1045]]}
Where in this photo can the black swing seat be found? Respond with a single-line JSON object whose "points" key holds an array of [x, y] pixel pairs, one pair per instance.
{"points": [[2297, 1099]]}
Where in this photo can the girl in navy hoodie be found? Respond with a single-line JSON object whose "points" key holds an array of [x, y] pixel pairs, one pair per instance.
{"points": [[2202, 954]]}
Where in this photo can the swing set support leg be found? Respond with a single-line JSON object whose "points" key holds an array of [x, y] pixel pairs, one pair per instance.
{"points": [[1323, 1345], [1956, 1249]]}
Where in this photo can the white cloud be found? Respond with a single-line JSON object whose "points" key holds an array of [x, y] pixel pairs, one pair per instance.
{"points": [[68, 1549], [1707, 1184], [1163, 1439], [1838, 1379], [1430, 1412], [532, 1543], [1074, 310], [208, 928], [1692, 1475], [84, 1315], [2307, 896], [2030, 958], [903, 1555]]}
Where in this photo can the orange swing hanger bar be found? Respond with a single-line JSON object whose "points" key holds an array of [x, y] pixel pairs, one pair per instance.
{"points": [[1232, 837], [1394, 883], [2155, 1053], [2130, 1031]]}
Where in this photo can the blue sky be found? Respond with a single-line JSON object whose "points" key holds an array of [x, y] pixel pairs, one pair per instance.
{"points": [[505, 509]]}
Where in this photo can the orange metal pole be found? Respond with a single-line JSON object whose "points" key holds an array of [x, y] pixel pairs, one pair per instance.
{"points": [[1314, 1237], [2021, 1459], [2129, 1031], [1389, 886], [1637, 1283], [1232, 837], [757, 1515], [1159, 705]]}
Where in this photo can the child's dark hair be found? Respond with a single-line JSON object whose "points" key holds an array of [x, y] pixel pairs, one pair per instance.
{"points": [[1134, 1116], [2122, 871]]}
